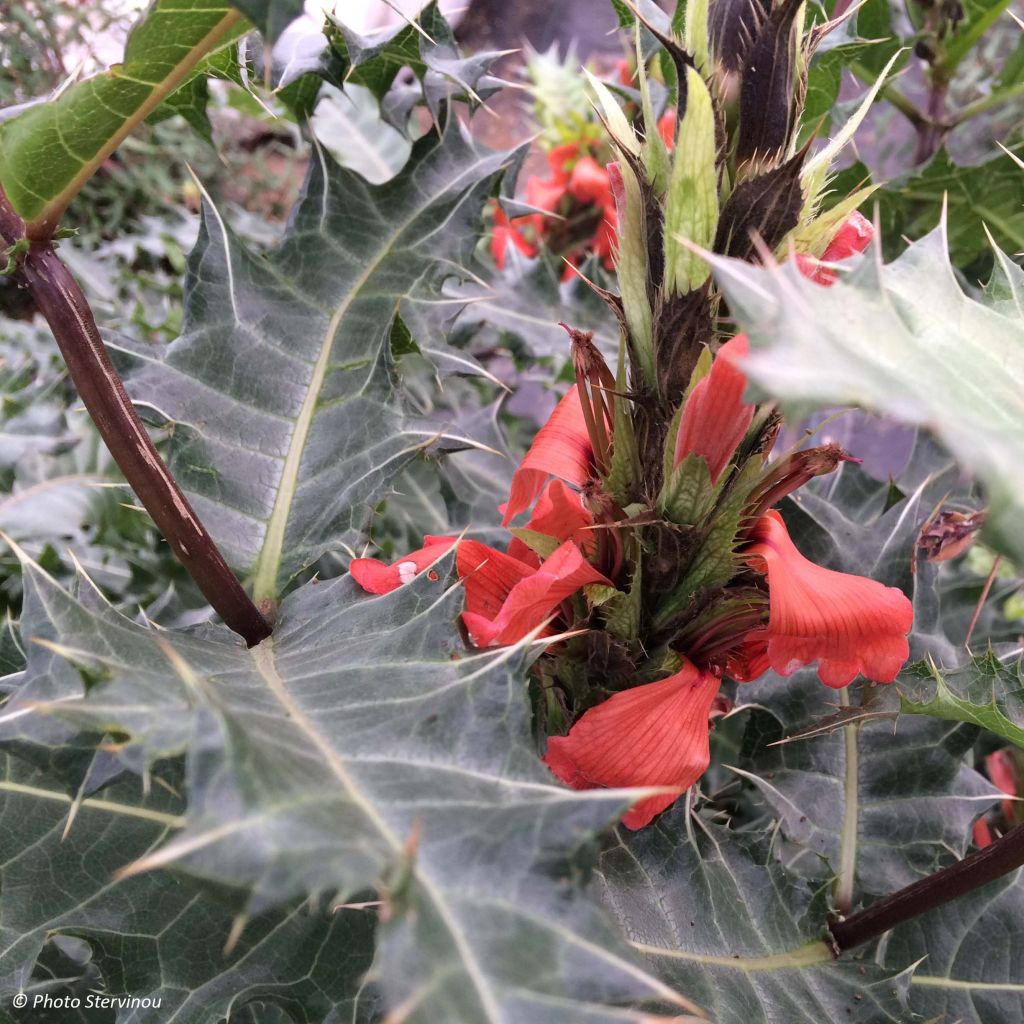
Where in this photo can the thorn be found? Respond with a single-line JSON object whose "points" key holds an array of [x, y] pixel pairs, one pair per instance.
{"points": [[235, 933]]}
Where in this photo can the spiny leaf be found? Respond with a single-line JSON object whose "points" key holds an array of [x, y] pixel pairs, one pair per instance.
{"points": [[50, 150], [988, 691], [361, 748], [286, 430], [715, 911], [905, 340], [151, 936]]}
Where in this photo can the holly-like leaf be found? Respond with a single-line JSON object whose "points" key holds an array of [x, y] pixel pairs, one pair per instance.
{"points": [[970, 966], [977, 197], [51, 149], [716, 913], [902, 339], [154, 937], [522, 306], [286, 428], [271, 17], [986, 691], [887, 801], [360, 749]]}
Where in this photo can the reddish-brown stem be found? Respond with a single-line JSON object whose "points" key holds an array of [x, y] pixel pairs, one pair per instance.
{"points": [[58, 297], [1006, 854], [932, 130]]}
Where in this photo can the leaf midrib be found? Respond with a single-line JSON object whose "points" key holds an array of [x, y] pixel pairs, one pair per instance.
{"points": [[44, 224], [265, 664], [268, 564]]}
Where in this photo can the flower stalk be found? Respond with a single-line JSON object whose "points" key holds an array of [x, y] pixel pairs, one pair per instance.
{"points": [[59, 298]]}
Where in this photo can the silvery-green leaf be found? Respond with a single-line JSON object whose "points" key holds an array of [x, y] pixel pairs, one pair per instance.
{"points": [[285, 427], [714, 911], [361, 748], [349, 126], [902, 339], [154, 937]]}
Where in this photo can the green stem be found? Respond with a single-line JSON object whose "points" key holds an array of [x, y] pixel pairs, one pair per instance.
{"points": [[993, 99], [848, 836]]}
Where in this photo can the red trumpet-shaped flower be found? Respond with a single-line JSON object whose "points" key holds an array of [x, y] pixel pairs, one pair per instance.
{"points": [[561, 449], [560, 515], [715, 418], [378, 577], [507, 599], [848, 624], [652, 735]]}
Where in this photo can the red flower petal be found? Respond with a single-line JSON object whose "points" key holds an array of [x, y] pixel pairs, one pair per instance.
{"points": [[750, 660], [848, 624], [505, 231], [715, 418], [982, 834], [652, 735], [530, 600], [559, 158], [560, 449], [588, 182], [488, 575], [559, 513], [667, 128], [544, 194], [853, 237], [378, 577], [1002, 770]]}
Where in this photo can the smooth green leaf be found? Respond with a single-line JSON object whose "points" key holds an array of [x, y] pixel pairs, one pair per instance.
{"points": [[50, 150]]}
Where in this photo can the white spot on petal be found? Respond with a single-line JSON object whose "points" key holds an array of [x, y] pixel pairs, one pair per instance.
{"points": [[406, 571]]}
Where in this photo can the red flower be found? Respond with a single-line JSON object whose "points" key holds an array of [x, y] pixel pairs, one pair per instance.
{"points": [[378, 577], [848, 624], [715, 418], [1002, 770], [507, 599], [560, 514], [853, 237], [560, 449], [667, 128], [652, 735], [588, 182], [505, 231]]}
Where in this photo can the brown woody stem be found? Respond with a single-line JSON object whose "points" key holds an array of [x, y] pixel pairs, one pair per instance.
{"points": [[1006, 854], [58, 297]]}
